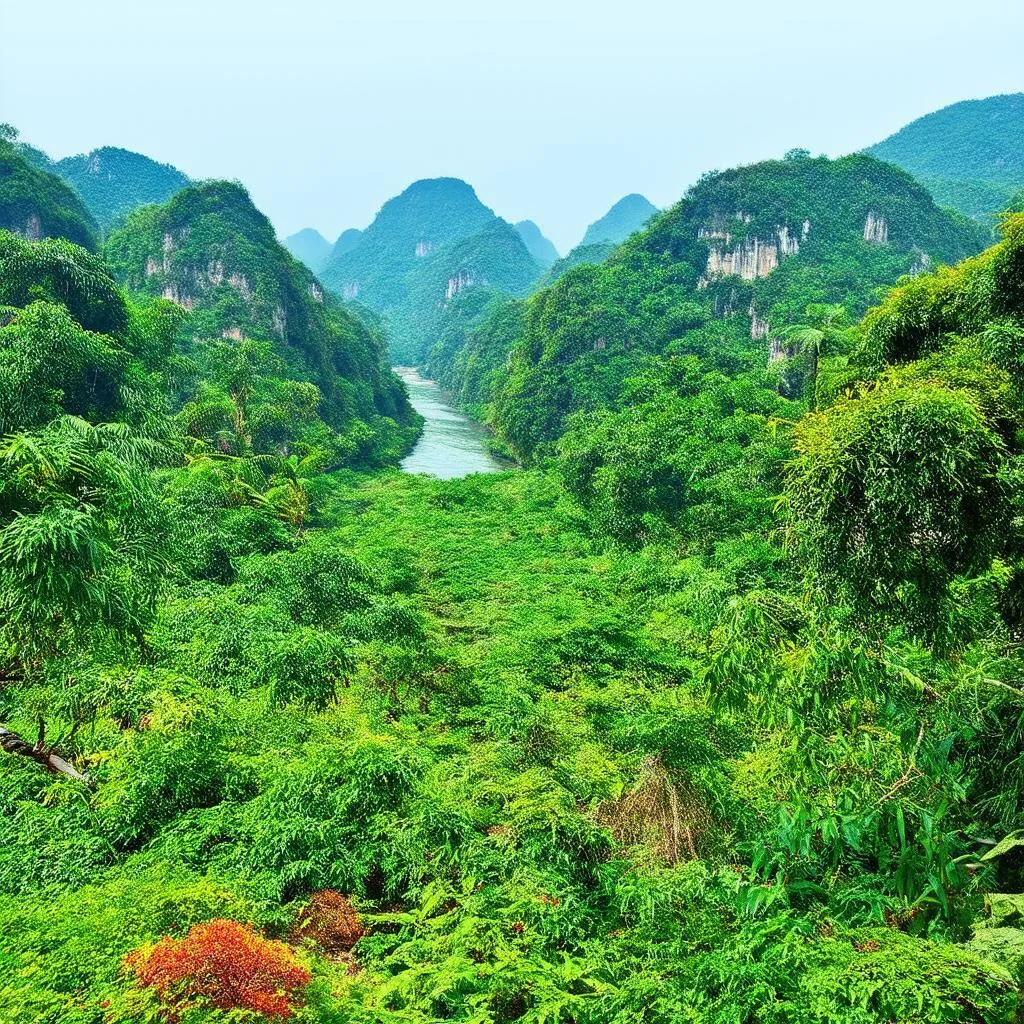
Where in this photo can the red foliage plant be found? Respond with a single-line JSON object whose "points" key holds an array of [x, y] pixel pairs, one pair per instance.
{"points": [[224, 963]]}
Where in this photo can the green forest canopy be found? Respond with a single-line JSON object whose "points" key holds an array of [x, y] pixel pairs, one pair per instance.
{"points": [[710, 714]]}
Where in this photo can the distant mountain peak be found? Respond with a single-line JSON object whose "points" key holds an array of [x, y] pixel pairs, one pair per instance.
{"points": [[540, 248], [629, 214], [310, 247], [432, 242], [113, 181]]}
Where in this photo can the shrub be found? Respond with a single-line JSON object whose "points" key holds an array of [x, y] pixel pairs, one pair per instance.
{"points": [[329, 920], [223, 963]]}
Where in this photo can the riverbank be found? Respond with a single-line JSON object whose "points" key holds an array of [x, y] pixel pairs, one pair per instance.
{"points": [[451, 445]]}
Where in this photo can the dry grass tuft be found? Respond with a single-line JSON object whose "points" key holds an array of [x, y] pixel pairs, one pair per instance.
{"points": [[661, 811]]}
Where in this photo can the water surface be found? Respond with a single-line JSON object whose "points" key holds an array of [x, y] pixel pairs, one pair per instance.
{"points": [[451, 445]]}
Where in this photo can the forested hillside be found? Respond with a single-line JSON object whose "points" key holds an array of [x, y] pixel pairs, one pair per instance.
{"points": [[426, 247], [36, 204], [709, 712], [746, 256], [969, 155], [210, 251], [602, 237], [114, 181]]}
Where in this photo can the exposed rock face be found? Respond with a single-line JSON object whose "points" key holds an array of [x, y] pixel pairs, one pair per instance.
{"points": [[714, 234], [173, 293], [758, 327], [33, 228], [350, 290], [876, 228], [459, 283], [279, 321], [751, 259], [241, 284], [424, 248], [211, 276], [235, 333], [921, 264], [316, 293]]}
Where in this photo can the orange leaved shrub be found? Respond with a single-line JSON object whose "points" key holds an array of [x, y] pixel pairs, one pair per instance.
{"points": [[224, 963]]}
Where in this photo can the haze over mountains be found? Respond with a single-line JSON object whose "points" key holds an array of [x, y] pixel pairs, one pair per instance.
{"points": [[309, 246], [423, 249], [703, 707], [629, 214], [436, 241]]}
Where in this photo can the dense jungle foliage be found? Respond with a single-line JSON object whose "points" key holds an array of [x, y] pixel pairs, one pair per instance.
{"points": [[710, 714], [37, 204], [572, 346], [969, 155], [310, 368]]}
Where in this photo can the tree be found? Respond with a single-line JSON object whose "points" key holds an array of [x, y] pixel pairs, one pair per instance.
{"points": [[896, 491], [827, 331]]}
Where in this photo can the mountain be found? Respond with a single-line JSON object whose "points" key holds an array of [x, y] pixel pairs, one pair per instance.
{"points": [[721, 275], [540, 248], [969, 155], [114, 181], [309, 247], [36, 204], [210, 250], [424, 248], [346, 241], [629, 214], [596, 253], [408, 229]]}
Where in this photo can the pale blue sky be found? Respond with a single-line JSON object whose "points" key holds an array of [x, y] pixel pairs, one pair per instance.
{"points": [[551, 110]]}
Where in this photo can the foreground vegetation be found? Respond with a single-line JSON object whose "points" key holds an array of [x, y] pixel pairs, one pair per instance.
{"points": [[712, 713]]}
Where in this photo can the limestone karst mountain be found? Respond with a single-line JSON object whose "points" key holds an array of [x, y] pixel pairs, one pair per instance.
{"points": [[629, 214], [424, 248], [114, 181], [210, 250], [969, 155], [740, 257], [542, 249], [36, 204], [309, 247]]}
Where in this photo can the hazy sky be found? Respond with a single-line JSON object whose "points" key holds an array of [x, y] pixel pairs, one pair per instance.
{"points": [[551, 110]]}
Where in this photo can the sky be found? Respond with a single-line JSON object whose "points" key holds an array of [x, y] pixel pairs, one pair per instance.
{"points": [[552, 110]]}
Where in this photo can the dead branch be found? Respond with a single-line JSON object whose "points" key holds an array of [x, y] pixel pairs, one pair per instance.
{"points": [[15, 744]]}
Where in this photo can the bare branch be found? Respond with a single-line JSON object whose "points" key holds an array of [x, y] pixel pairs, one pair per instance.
{"points": [[15, 744]]}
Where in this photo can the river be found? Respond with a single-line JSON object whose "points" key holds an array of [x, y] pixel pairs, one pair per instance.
{"points": [[451, 445]]}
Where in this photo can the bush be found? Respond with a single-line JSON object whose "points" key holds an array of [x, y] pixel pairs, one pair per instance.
{"points": [[225, 964]]}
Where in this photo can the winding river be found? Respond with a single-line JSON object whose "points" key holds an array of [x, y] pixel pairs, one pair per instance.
{"points": [[451, 445]]}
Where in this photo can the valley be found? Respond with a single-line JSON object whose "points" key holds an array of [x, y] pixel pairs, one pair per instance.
{"points": [[430, 626]]}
